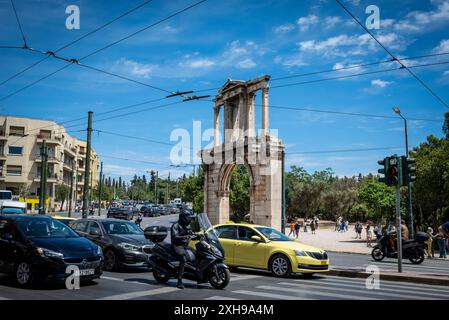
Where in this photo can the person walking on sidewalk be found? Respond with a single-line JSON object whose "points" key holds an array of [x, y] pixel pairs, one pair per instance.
{"points": [[429, 243], [443, 235], [312, 226], [297, 226], [369, 235], [292, 229], [358, 230]]}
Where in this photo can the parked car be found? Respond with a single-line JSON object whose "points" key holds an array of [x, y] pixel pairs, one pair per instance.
{"points": [[65, 220], [122, 213], [38, 247], [164, 210], [123, 242], [174, 209]]}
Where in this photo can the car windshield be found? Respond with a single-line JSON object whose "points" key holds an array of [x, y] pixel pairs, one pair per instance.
{"points": [[44, 228], [119, 227], [12, 210], [272, 234]]}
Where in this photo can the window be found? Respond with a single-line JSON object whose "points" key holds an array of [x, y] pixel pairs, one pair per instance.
{"points": [[45, 134], [16, 131], [227, 232], [246, 233], [94, 226], [14, 170], [80, 226], [15, 150]]}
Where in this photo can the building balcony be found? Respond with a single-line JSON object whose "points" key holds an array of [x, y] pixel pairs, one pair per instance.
{"points": [[50, 140], [70, 151], [2, 176], [67, 166], [2, 156], [3, 135], [52, 177], [81, 169], [50, 159]]}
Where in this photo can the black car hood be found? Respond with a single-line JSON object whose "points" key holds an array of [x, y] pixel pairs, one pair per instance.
{"points": [[136, 239], [70, 247]]}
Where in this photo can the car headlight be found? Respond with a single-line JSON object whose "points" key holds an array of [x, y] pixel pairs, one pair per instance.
{"points": [[128, 246], [49, 253], [99, 251], [300, 253]]}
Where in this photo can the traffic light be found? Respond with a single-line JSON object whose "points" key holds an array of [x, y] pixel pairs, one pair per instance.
{"points": [[384, 170], [408, 172], [393, 172]]}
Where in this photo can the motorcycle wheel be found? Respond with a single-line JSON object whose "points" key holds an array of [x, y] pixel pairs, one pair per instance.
{"points": [[418, 258], [221, 279], [160, 277], [377, 254]]}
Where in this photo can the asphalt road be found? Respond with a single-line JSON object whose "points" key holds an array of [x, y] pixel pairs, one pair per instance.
{"points": [[245, 284]]}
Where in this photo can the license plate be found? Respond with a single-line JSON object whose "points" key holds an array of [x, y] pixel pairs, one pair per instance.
{"points": [[323, 262], [86, 272]]}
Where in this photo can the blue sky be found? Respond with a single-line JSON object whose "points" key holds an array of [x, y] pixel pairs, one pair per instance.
{"points": [[217, 40]]}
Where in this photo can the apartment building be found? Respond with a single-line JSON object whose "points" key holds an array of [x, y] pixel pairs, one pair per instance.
{"points": [[20, 160]]}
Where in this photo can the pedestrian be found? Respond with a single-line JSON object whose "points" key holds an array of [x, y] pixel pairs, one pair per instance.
{"points": [[429, 243], [297, 226], [346, 225], [305, 225], [369, 235], [312, 226], [292, 229], [443, 235], [358, 230], [317, 221]]}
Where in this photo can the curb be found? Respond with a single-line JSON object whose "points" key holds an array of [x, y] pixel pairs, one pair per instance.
{"points": [[444, 281]]}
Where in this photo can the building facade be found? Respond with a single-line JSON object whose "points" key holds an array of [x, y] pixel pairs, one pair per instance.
{"points": [[20, 160]]}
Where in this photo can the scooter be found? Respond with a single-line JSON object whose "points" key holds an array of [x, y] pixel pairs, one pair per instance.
{"points": [[206, 262], [411, 249]]}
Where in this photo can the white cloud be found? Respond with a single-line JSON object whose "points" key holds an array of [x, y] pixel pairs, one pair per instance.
{"points": [[134, 68], [380, 83], [417, 21], [443, 46], [284, 28], [246, 64], [446, 73], [332, 21], [200, 63], [306, 22], [290, 61]]}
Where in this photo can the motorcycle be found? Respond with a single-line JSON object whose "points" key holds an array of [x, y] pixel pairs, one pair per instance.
{"points": [[205, 263], [411, 249]]}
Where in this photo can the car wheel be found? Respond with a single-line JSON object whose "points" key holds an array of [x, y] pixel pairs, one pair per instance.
{"points": [[280, 266], [110, 260], [24, 275]]}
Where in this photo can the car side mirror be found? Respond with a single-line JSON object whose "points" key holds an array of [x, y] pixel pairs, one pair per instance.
{"points": [[7, 237], [256, 238]]}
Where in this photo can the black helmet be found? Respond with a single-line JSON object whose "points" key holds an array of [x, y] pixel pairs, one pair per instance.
{"points": [[185, 217]]}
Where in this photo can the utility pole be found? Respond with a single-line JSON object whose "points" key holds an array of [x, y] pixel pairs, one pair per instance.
{"points": [[43, 182], [398, 225], [168, 186], [71, 190], [87, 172], [99, 188], [76, 187], [155, 188]]}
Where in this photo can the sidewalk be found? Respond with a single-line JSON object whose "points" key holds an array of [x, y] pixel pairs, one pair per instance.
{"points": [[330, 240]]}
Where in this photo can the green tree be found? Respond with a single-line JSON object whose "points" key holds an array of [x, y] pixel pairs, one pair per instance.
{"points": [[239, 193], [379, 199], [62, 193]]}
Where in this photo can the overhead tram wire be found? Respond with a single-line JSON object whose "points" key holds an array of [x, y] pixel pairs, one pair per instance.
{"points": [[19, 24], [394, 57], [344, 150], [76, 40]]}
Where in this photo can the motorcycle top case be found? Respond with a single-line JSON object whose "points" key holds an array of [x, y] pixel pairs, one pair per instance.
{"points": [[421, 236], [156, 233]]}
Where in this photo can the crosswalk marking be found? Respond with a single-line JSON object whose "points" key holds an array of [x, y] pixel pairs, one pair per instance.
{"points": [[322, 294], [387, 283], [139, 294], [351, 288], [221, 298], [268, 295]]}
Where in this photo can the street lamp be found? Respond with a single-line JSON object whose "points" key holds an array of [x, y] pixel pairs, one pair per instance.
{"points": [[409, 187]]}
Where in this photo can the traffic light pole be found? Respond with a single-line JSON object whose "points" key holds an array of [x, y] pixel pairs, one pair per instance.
{"points": [[71, 190], [283, 193], [43, 182], [99, 188], [398, 225]]}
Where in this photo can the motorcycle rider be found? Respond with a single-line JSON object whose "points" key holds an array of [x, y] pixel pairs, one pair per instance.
{"points": [[404, 235], [181, 233]]}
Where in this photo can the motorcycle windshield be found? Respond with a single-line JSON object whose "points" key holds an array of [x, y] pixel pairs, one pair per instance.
{"points": [[212, 235]]}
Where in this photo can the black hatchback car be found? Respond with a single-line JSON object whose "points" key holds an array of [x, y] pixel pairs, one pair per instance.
{"points": [[36, 247], [122, 213], [123, 242]]}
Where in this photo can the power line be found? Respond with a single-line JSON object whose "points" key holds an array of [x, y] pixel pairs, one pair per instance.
{"points": [[19, 24], [345, 150], [133, 137], [78, 39], [393, 57]]}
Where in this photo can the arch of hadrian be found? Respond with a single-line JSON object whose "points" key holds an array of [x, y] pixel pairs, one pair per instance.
{"points": [[238, 143]]}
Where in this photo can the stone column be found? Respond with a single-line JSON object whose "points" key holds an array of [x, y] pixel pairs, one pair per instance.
{"points": [[251, 114], [265, 124], [216, 125]]}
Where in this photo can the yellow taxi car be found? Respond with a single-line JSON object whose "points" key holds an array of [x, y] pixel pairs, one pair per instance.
{"points": [[261, 247], [65, 220]]}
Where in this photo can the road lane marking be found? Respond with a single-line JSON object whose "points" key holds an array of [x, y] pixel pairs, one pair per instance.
{"points": [[221, 298], [139, 294], [236, 277], [269, 295], [397, 284], [323, 294], [382, 291]]}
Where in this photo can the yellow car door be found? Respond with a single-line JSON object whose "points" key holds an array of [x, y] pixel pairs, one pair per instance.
{"points": [[249, 252], [227, 235]]}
